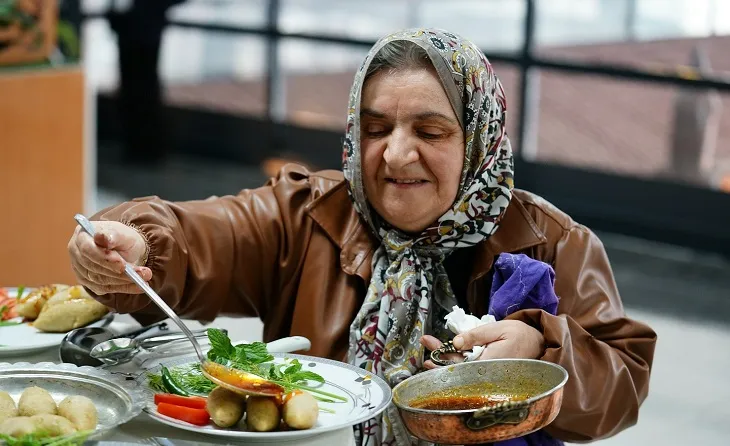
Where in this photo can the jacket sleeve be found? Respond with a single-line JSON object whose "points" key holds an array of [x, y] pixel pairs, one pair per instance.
{"points": [[222, 255], [607, 355]]}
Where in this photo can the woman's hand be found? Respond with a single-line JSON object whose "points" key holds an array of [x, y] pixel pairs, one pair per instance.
{"points": [[503, 339], [98, 262]]}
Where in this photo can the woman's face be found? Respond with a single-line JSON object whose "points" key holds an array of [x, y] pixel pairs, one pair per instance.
{"points": [[412, 147]]}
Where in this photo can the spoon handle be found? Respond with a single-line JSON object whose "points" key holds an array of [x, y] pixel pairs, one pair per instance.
{"points": [[143, 333], [129, 269]]}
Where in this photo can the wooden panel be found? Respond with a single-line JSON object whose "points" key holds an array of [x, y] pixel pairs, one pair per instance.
{"points": [[41, 173]]}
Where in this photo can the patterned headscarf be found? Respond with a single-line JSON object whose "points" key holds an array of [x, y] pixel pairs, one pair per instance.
{"points": [[409, 291]]}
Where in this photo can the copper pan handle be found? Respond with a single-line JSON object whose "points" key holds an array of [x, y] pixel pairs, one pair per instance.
{"points": [[508, 412]]}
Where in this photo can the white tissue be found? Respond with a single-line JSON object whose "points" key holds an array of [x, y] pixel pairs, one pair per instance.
{"points": [[459, 322]]}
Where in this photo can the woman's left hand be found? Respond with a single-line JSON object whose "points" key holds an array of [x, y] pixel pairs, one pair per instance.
{"points": [[503, 339]]}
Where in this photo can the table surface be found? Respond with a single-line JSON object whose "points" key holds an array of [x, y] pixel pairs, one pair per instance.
{"points": [[143, 426]]}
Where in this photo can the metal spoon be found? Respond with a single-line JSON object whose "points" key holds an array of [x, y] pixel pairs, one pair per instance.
{"points": [[120, 350], [234, 380], [77, 344]]}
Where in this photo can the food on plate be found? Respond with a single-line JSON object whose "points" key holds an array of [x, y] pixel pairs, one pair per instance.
{"points": [[300, 410], [182, 380], [226, 408], [7, 306], [198, 417], [79, 410], [36, 401], [297, 404], [33, 423], [194, 402], [30, 305], [68, 309], [262, 414], [17, 427], [7, 406], [46, 425], [55, 308], [53, 425]]}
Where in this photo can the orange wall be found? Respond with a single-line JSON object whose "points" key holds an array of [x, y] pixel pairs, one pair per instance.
{"points": [[41, 173]]}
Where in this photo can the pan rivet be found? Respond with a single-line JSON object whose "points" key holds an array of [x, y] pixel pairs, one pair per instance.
{"points": [[481, 370], [445, 378]]}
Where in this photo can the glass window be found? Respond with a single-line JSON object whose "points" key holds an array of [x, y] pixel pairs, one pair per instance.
{"points": [[218, 71], [633, 128], [317, 78], [222, 12]]}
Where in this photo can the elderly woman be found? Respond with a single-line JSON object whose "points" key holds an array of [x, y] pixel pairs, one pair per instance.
{"points": [[366, 265]]}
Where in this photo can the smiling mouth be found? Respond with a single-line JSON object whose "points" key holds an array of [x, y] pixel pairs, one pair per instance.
{"points": [[405, 182]]}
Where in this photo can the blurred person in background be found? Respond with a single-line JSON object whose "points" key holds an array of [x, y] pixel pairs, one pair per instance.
{"points": [[139, 25], [367, 262]]}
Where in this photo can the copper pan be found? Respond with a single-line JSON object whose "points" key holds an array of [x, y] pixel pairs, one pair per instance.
{"points": [[529, 394]]}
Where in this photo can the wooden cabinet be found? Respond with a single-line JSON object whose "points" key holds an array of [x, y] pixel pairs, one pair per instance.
{"points": [[45, 171]]}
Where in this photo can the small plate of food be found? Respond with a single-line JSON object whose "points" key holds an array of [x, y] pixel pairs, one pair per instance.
{"points": [[318, 395], [63, 403], [33, 320]]}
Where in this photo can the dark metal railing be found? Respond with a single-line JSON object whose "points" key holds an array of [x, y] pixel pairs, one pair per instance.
{"points": [[525, 59]]}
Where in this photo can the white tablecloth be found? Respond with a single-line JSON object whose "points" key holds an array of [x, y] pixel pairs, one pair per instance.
{"points": [[144, 426]]}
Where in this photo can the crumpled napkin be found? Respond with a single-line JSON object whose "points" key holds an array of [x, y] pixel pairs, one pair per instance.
{"points": [[518, 282], [459, 322]]}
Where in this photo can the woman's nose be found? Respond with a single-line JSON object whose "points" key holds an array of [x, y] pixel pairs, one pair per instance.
{"points": [[400, 151]]}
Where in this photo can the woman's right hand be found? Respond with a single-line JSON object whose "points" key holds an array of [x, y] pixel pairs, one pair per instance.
{"points": [[99, 261]]}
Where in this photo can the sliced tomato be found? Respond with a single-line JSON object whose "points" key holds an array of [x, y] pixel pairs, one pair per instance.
{"points": [[194, 402], [198, 417], [7, 309]]}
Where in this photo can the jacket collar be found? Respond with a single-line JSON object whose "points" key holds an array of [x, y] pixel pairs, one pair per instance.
{"points": [[334, 213]]}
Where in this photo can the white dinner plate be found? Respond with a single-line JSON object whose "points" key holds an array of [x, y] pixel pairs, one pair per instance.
{"points": [[367, 396], [23, 339]]}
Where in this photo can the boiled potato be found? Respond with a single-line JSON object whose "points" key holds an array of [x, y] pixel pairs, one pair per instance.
{"points": [[262, 414], [7, 406], [70, 309], [17, 426], [30, 305], [36, 401], [300, 410], [79, 410], [225, 407], [53, 425]]}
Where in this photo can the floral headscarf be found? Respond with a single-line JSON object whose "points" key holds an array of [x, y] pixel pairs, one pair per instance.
{"points": [[409, 291]]}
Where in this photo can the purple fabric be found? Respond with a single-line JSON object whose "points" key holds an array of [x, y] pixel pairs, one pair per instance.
{"points": [[519, 283]]}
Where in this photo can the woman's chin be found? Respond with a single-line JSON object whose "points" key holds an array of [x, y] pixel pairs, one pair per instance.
{"points": [[407, 221]]}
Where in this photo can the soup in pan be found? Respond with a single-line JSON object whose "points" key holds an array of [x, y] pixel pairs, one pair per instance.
{"points": [[472, 397]]}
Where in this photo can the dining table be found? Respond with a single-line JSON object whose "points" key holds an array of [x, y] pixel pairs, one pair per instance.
{"points": [[143, 429]]}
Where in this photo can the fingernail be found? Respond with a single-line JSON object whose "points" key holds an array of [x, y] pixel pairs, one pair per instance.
{"points": [[458, 342]]}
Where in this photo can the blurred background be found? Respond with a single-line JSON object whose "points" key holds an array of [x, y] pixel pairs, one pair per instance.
{"points": [[618, 112]]}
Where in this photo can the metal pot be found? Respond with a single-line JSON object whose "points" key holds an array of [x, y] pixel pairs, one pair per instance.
{"points": [[531, 392]]}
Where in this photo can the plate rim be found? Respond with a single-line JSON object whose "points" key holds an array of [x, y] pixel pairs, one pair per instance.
{"points": [[260, 436]]}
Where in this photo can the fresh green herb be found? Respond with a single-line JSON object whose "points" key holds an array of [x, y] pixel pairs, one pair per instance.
{"points": [[189, 377], [7, 323], [19, 294], [221, 348], [171, 385], [41, 439], [254, 358], [154, 381], [243, 357]]}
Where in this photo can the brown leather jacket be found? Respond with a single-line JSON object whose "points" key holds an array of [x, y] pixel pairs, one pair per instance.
{"points": [[295, 254]]}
